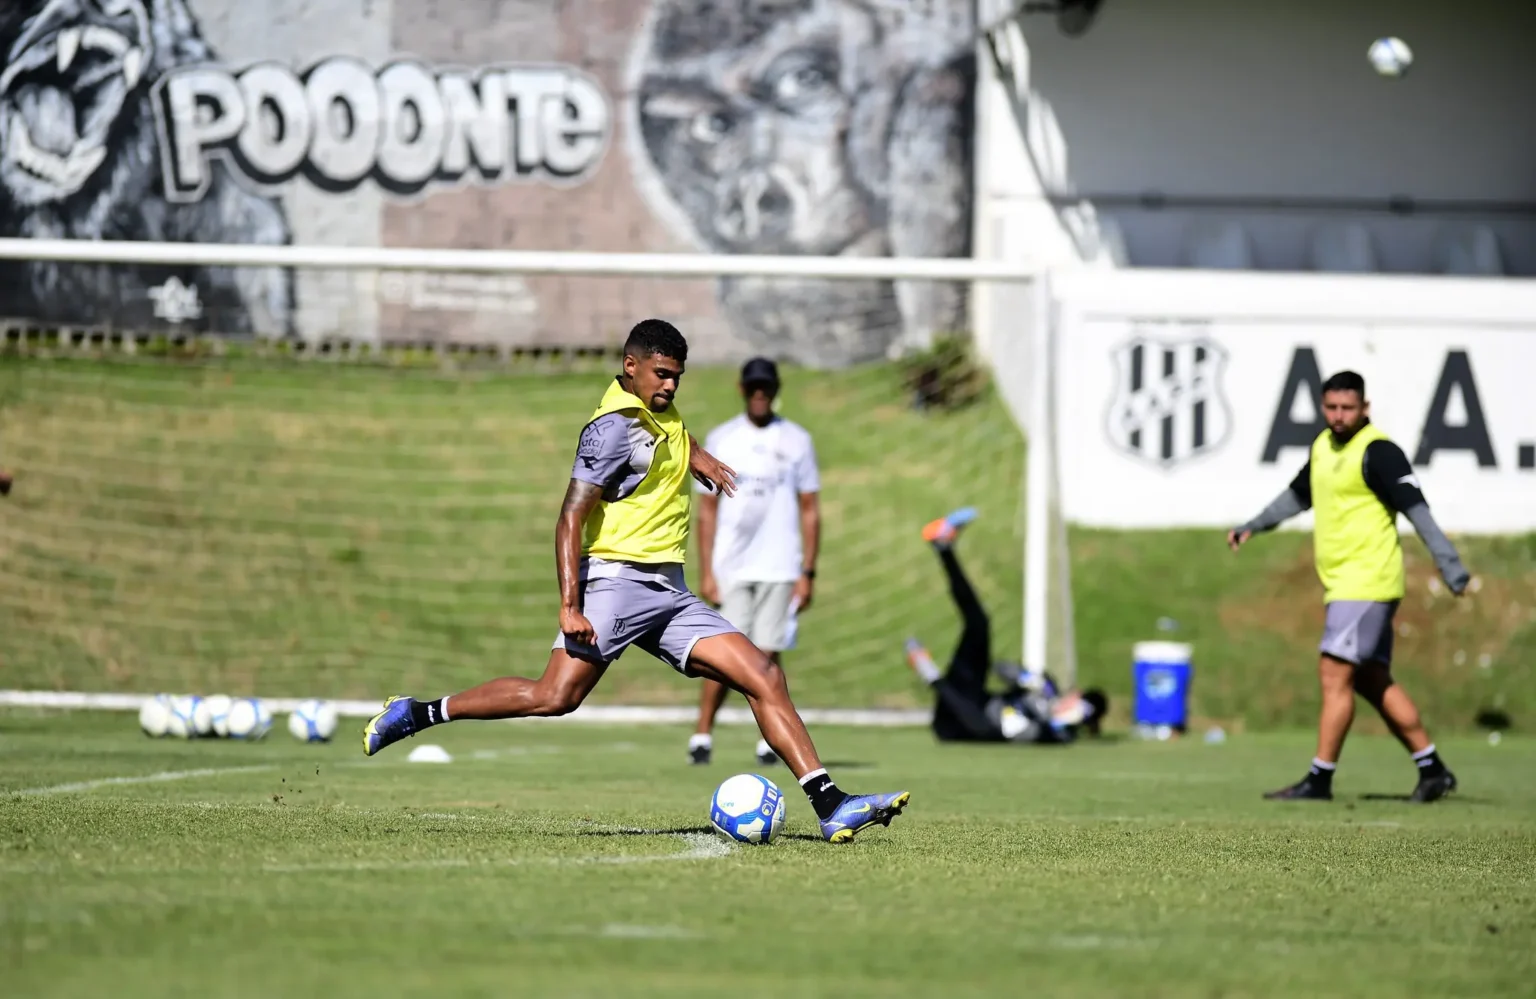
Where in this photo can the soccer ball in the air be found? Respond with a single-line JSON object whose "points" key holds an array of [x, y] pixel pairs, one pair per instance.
{"points": [[748, 808], [218, 714], [313, 721], [182, 721], [1390, 56], [155, 715], [248, 719]]}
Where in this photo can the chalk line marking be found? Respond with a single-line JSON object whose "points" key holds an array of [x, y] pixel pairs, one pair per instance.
{"points": [[159, 778], [700, 846]]}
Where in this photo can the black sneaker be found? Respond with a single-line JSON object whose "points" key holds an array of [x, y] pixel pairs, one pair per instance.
{"points": [[1434, 788], [766, 757], [699, 755], [1303, 790]]}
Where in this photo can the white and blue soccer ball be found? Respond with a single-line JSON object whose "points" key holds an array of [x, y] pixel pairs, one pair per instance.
{"points": [[248, 719], [155, 715], [1390, 56], [313, 721], [217, 706], [748, 808], [202, 718], [181, 723]]}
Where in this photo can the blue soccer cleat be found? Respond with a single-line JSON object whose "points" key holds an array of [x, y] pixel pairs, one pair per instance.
{"points": [[861, 811], [946, 529], [388, 726]]}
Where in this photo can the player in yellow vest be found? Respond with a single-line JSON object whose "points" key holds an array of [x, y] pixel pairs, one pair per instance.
{"points": [[619, 549], [1357, 482]]}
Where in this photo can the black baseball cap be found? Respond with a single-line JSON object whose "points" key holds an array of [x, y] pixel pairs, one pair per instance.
{"points": [[760, 371]]}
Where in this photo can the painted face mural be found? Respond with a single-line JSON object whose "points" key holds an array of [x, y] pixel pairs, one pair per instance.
{"points": [[818, 127], [808, 127], [79, 159]]}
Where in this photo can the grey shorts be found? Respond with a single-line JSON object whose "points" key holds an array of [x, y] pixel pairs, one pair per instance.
{"points": [[1359, 631], [665, 621], [761, 611]]}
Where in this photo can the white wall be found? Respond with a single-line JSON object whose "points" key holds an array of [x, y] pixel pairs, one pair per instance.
{"points": [[1234, 341], [1212, 98]]}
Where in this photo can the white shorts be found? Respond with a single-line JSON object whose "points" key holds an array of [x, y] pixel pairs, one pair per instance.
{"points": [[762, 612]]}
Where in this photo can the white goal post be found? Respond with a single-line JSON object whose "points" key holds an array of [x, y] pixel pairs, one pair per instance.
{"points": [[1017, 345]]}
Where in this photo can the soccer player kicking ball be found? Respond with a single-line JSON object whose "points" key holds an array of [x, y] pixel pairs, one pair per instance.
{"points": [[1358, 481], [619, 549]]}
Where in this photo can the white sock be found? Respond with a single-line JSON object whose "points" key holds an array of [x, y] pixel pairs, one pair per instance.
{"points": [[701, 739], [1424, 754], [812, 776], [763, 749], [1319, 764]]}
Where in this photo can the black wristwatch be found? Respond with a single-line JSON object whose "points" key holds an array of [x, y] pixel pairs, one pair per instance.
{"points": [[808, 573]]}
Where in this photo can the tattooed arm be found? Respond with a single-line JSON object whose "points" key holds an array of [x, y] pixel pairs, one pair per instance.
{"points": [[602, 458], [580, 498]]}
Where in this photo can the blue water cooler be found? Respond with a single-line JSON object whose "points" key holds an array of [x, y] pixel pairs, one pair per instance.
{"points": [[1160, 674]]}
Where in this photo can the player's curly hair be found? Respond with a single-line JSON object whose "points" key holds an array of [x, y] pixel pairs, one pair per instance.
{"points": [[652, 337]]}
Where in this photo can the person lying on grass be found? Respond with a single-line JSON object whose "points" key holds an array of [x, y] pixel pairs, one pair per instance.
{"points": [[1030, 709]]}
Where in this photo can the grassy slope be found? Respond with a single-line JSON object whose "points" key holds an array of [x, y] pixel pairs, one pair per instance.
{"points": [[1106, 869], [358, 531]]}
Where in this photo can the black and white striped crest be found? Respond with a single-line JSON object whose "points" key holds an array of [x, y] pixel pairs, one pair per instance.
{"points": [[1168, 404]]}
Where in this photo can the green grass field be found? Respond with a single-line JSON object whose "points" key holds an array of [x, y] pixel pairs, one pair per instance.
{"points": [[356, 531], [554, 859]]}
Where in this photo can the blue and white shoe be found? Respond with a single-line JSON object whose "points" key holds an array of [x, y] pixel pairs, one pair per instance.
{"points": [[388, 726], [861, 811]]}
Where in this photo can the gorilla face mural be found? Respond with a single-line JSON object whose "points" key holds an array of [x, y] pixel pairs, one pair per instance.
{"points": [[814, 127], [66, 81], [819, 127], [79, 159]]}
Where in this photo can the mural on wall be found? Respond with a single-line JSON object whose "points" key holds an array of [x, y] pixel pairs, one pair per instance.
{"points": [[819, 127], [79, 160], [839, 127]]}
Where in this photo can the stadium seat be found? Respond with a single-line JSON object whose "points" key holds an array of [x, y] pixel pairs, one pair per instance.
{"points": [[1470, 250], [1343, 249], [1222, 246]]}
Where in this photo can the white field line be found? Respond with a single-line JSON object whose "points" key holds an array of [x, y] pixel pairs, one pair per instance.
{"points": [[599, 714], [159, 778], [700, 846]]}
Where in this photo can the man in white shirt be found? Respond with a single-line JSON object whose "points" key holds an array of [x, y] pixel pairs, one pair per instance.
{"points": [[758, 548]]}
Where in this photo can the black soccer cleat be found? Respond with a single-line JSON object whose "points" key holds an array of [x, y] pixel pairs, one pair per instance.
{"points": [[1434, 788], [1305, 789], [699, 755]]}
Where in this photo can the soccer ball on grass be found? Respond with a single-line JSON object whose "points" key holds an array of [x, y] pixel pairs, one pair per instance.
{"points": [[155, 715], [248, 719], [218, 714], [313, 721], [182, 721], [748, 808]]}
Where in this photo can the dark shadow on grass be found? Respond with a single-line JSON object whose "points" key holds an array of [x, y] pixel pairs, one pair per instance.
{"points": [[678, 831], [1453, 799]]}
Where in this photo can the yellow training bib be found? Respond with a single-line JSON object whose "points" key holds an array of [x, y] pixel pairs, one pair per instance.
{"points": [[1358, 551], [650, 525]]}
